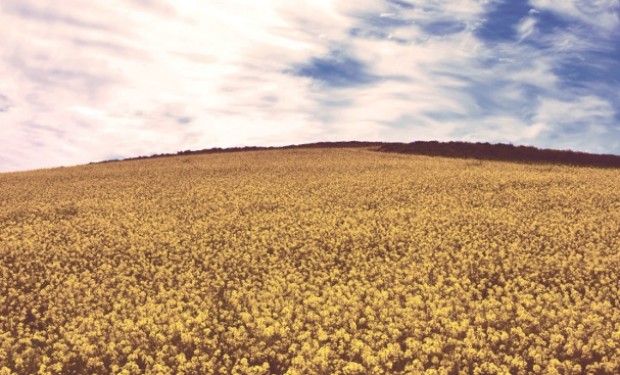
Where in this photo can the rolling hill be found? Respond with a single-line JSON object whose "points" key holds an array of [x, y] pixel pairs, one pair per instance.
{"points": [[320, 259], [459, 150]]}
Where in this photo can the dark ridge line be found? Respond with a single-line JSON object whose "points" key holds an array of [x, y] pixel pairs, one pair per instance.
{"points": [[218, 150], [503, 152], [458, 149]]}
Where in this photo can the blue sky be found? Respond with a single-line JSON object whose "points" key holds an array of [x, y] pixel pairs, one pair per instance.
{"points": [[87, 81]]}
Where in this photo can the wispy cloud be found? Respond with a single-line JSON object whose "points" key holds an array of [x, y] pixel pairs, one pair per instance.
{"points": [[5, 103], [134, 77]]}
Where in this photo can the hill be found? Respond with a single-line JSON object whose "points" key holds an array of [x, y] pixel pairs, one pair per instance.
{"points": [[503, 152], [467, 150], [310, 261]]}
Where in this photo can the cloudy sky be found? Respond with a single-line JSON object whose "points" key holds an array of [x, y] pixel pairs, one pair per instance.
{"points": [[84, 81]]}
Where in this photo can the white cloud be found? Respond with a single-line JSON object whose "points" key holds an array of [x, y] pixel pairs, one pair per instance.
{"points": [[135, 77], [505, 129], [526, 28], [136, 74], [599, 13], [584, 110], [580, 123]]}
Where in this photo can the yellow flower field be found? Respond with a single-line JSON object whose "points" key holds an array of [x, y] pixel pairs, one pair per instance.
{"points": [[310, 261]]}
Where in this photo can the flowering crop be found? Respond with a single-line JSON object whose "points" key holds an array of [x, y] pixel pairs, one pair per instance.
{"points": [[310, 261]]}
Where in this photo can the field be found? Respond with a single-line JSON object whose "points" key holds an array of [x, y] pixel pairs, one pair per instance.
{"points": [[310, 261]]}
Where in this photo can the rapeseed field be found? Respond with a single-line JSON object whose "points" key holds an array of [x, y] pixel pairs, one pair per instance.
{"points": [[310, 261]]}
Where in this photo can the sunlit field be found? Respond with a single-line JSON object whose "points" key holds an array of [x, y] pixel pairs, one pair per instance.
{"points": [[310, 261]]}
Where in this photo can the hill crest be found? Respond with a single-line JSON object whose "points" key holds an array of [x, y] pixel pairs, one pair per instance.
{"points": [[453, 149]]}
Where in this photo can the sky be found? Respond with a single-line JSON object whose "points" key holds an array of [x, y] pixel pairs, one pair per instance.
{"points": [[84, 81]]}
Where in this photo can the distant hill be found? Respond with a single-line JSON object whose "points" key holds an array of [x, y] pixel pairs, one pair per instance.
{"points": [[480, 151], [502, 152]]}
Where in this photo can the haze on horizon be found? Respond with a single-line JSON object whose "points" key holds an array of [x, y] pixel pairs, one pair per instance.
{"points": [[89, 81]]}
